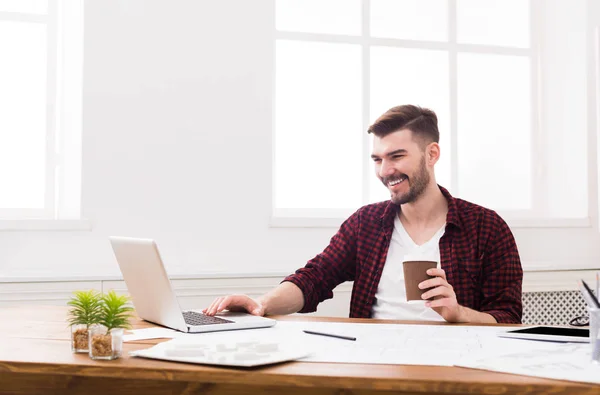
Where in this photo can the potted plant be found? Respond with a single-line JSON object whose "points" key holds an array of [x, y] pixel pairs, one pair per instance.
{"points": [[106, 339], [83, 314]]}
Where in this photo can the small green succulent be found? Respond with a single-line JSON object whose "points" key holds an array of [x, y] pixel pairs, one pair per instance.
{"points": [[114, 311], [86, 308]]}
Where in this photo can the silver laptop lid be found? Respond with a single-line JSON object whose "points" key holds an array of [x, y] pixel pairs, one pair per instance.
{"points": [[147, 281]]}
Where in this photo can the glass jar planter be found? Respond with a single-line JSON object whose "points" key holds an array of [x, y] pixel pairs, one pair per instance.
{"points": [[79, 338], [103, 344]]}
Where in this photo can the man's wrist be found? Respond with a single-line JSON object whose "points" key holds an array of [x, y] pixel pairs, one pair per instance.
{"points": [[262, 303], [467, 315], [462, 315]]}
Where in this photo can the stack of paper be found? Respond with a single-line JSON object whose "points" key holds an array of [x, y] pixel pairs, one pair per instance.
{"points": [[439, 345], [235, 348]]}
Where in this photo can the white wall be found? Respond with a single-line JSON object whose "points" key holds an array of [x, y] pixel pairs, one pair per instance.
{"points": [[177, 125], [176, 144]]}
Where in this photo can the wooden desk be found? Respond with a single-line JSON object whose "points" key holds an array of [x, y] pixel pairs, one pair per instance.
{"points": [[35, 357]]}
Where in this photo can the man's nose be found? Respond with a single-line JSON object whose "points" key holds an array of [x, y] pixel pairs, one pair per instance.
{"points": [[386, 169]]}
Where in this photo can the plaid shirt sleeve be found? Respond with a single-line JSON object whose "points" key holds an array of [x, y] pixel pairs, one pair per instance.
{"points": [[502, 275], [336, 264]]}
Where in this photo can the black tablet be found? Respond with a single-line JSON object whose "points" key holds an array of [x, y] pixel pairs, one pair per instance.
{"points": [[549, 333]]}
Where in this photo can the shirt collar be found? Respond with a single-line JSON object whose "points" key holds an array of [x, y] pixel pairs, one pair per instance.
{"points": [[452, 217], [391, 211]]}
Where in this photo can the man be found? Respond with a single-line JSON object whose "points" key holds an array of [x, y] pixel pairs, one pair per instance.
{"points": [[479, 277]]}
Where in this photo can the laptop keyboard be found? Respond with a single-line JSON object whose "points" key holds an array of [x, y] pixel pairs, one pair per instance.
{"points": [[194, 318]]}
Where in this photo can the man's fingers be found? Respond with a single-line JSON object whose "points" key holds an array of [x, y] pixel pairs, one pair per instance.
{"points": [[260, 311], [212, 309], [234, 303], [237, 303], [253, 307], [209, 308], [443, 302], [433, 282], [215, 305], [437, 272], [225, 302], [438, 291]]}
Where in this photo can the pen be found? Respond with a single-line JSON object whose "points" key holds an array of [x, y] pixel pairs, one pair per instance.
{"points": [[591, 295], [585, 295], [330, 335]]}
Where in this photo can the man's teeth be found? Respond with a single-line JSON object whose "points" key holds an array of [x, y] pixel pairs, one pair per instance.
{"points": [[396, 182]]}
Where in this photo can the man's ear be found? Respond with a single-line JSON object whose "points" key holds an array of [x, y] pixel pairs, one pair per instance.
{"points": [[433, 153]]}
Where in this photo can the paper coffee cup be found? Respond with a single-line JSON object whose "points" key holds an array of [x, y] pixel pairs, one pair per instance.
{"points": [[415, 272]]}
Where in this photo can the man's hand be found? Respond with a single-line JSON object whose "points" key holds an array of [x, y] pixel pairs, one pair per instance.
{"points": [[235, 303], [286, 298], [444, 303]]}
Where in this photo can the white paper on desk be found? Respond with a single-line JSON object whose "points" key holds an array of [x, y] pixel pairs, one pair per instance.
{"points": [[151, 333], [253, 347], [570, 361], [437, 345]]}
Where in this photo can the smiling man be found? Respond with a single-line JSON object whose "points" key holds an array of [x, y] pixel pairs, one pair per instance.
{"points": [[479, 275]]}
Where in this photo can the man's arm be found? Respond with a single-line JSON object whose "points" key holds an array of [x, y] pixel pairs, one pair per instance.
{"points": [[502, 276], [308, 286], [286, 298], [333, 266]]}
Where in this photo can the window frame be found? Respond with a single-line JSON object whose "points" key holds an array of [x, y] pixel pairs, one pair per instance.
{"points": [[63, 122], [49, 20], [531, 218]]}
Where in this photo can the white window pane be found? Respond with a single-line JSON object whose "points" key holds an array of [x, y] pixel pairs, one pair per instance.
{"points": [[319, 16], [493, 22], [25, 6], [494, 131], [411, 76], [22, 114], [425, 20], [318, 125]]}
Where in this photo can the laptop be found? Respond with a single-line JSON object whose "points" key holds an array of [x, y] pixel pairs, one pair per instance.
{"points": [[152, 293]]}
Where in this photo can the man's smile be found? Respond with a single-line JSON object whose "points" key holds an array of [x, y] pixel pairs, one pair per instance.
{"points": [[395, 183]]}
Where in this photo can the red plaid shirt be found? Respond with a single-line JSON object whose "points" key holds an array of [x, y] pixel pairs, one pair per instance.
{"points": [[478, 253]]}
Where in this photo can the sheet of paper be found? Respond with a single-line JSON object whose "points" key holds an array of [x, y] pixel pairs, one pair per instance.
{"points": [[439, 345], [378, 343], [150, 333], [569, 361], [230, 348]]}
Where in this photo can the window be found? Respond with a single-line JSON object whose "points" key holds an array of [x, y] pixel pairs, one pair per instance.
{"points": [[40, 109], [508, 105]]}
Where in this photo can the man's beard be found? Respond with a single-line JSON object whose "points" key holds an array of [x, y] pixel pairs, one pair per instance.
{"points": [[417, 185]]}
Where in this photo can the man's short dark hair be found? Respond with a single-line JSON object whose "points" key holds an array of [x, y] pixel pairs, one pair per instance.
{"points": [[421, 121]]}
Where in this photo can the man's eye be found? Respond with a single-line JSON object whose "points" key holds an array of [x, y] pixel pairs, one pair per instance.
{"points": [[376, 160], [397, 156]]}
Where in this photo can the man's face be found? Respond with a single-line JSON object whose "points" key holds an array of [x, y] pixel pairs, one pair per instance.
{"points": [[400, 165]]}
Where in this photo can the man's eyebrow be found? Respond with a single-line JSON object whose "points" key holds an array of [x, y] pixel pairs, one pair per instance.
{"points": [[398, 151]]}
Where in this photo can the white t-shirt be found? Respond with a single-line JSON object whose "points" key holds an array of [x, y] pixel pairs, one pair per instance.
{"points": [[390, 297]]}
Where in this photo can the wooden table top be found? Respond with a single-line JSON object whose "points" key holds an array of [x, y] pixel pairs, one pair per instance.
{"points": [[35, 353]]}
